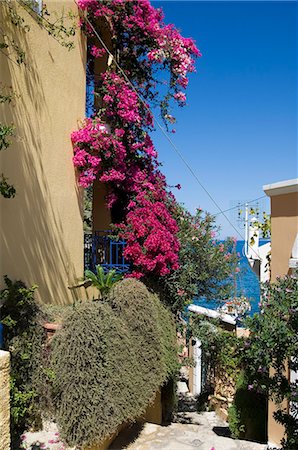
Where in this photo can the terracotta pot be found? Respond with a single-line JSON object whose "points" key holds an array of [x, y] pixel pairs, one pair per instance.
{"points": [[50, 329]]}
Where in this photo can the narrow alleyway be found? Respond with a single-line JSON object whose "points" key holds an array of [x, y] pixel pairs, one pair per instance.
{"points": [[190, 431]]}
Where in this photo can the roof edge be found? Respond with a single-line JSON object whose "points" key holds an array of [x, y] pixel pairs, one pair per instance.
{"points": [[281, 187]]}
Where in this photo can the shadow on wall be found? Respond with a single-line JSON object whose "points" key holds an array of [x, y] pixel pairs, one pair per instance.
{"points": [[42, 226]]}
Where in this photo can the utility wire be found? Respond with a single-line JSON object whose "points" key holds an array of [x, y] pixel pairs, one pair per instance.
{"points": [[241, 204], [164, 131]]}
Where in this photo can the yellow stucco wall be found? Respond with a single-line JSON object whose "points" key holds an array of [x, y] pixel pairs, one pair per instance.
{"points": [[276, 431], [41, 228], [284, 227]]}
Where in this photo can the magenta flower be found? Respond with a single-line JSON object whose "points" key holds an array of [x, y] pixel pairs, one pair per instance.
{"points": [[97, 52], [180, 96], [123, 156]]}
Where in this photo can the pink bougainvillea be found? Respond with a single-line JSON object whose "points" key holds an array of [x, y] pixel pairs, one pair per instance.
{"points": [[97, 52], [122, 155]]}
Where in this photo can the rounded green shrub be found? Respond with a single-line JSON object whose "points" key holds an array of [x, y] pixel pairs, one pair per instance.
{"points": [[248, 413], [109, 359]]}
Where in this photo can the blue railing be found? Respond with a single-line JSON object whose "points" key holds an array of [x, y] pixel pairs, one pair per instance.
{"points": [[101, 249]]}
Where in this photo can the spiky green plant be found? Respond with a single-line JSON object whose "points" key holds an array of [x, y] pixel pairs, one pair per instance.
{"points": [[109, 359], [103, 281]]}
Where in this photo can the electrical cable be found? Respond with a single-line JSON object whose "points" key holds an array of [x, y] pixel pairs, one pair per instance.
{"points": [[241, 204]]}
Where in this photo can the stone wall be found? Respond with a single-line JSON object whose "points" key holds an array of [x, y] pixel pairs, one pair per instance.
{"points": [[4, 400], [224, 391]]}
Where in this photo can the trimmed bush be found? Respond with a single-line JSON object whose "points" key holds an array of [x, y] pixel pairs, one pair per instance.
{"points": [[248, 413], [109, 359]]}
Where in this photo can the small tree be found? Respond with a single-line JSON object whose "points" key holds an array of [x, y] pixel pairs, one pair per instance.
{"points": [[206, 264]]}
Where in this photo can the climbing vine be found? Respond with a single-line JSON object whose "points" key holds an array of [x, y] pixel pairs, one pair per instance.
{"points": [[122, 154], [61, 26], [6, 132], [263, 225]]}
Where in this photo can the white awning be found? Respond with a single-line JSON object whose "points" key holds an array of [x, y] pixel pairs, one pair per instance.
{"points": [[212, 313]]}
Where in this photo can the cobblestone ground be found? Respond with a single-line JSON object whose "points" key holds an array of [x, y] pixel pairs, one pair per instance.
{"points": [[189, 431], [194, 431]]}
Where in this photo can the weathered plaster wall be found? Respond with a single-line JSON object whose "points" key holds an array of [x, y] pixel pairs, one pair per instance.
{"points": [[284, 217], [276, 431], [4, 400], [284, 227], [42, 230]]}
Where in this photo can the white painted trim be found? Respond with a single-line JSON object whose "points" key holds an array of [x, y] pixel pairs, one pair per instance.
{"points": [[197, 370], [273, 446], [212, 313], [293, 263], [281, 187]]}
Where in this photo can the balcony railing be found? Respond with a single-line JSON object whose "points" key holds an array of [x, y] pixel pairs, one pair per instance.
{"points": [[99, 248]]}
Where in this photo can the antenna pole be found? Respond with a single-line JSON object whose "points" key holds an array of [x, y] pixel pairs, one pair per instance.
{"points": [[246, 230]]}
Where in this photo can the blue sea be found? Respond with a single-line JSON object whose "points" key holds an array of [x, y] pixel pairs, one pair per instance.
{"points": [[247, 284]]}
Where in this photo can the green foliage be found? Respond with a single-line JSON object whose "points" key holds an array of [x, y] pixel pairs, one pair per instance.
{"points": [[56, 313], [88, 199], [6, 96], [248, 414], [265, 358], [109, 359], [103, 281], [61, 26], [23, 337], [5, 132], [206, 264], [222, 349], [223, 352], [6, 190], [273, 344], [263, 225], [132, 301], [236, 427], [22, 408]]}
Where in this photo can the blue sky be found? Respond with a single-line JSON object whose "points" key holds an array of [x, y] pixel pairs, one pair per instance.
{"points": [[239, 128]]}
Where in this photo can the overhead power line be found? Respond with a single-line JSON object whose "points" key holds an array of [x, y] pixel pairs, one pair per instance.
{"points": [[241, 204]]}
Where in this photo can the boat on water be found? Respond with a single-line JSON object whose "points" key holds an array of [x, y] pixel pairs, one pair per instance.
{"points": [[237, 307]]}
